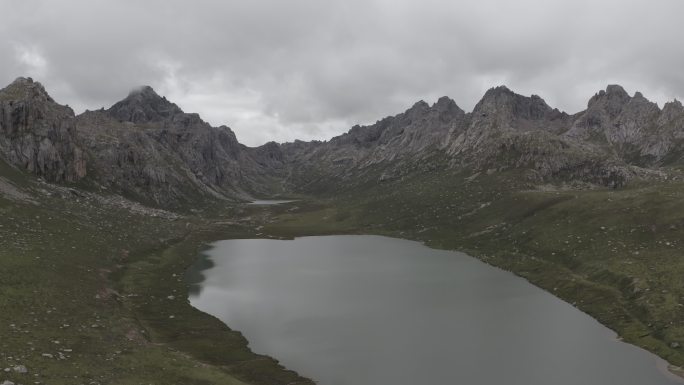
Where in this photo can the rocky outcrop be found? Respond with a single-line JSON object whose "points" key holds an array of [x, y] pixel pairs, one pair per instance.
{"points": [[510, 110], [37, 134], [143, 147], [417, 133], [632, 128], [143, 105], [504, 120], [148, 147], [608, 144], [666, 144]]}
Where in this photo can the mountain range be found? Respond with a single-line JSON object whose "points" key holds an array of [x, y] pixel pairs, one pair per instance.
{"points": [[146, 148]]}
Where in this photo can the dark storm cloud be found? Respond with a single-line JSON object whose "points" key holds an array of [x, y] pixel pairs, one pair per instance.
{"points": [[280, 70]]}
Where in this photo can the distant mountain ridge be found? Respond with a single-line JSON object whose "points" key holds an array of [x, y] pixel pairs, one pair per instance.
{"points": [[617, 138], [146, 147]]}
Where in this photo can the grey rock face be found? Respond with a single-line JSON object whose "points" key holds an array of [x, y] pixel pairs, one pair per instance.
{"points": [[37, 134], [632, 128], [144, 105], [418, 132], [147, 147], [144, 147], [606, 144], [504, 103]]}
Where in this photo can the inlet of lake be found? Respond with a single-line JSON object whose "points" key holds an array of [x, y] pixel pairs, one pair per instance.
{"points": [[370, 310]]}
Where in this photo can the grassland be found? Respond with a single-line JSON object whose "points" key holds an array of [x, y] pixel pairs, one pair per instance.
{"points": [[85, 284], [92, 290], [615, 254]]}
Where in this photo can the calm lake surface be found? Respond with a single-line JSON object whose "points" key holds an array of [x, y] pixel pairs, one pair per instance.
{"points": [[369, 310]]}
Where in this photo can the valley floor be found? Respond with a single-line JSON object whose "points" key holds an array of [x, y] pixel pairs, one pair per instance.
{"points": [[93, 291]]}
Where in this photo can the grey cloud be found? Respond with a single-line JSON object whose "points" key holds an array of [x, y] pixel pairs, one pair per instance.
{"points": [[280, 70]]}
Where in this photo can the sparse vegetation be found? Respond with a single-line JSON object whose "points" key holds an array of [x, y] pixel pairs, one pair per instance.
{"points": [[84, 289], [94, 289], [614, 254]]}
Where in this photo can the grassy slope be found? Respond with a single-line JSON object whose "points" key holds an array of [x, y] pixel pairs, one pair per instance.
{"points": [[158, 295], [615, 254], [87, 284]]}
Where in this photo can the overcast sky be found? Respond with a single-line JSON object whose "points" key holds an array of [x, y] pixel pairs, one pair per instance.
{"points": [[310, 69]]}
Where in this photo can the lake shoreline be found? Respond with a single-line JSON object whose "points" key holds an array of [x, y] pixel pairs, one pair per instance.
{"points": [[604, 297], [658, 363], [184, 328], [277, 230]]}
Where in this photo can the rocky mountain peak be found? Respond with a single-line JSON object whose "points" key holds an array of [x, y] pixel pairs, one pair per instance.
{"points": [[25, 89], [501, 101], [674, 106], [611, 100], [144, 92], [498, 90], [445, 103], [671, 110], [616, 90], [37, 134], [495, 95], [419, 106], [447, 109], [144, 105], [639, 105]]}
